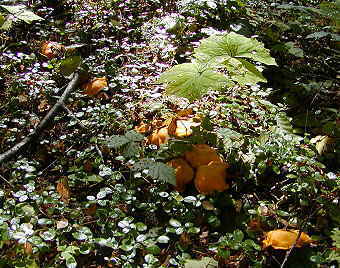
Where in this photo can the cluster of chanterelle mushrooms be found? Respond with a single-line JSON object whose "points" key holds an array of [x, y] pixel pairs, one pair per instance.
{"points": [[208, 170], [202, 163]]}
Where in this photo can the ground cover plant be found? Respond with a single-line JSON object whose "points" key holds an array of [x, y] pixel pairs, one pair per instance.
{"points": [[169, 133]]}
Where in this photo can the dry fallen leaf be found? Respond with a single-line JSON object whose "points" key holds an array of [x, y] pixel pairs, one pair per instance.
{"points": [[28, 248], [43, 105], [91, 210], [64, 190]]}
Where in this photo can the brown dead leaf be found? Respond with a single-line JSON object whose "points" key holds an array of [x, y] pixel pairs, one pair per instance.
{"points": [[64, 190], [91, 210], [185, 240], [23, 97], [43, 105], [88, 166], [28, 248]]}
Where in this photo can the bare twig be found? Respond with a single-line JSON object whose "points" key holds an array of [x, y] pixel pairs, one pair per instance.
{"points": [[2, 177], [30, 137]]}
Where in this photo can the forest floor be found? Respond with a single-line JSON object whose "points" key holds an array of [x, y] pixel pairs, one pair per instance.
{"points": [[88, 190]]}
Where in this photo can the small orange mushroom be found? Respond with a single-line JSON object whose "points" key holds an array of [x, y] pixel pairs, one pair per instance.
{"points": [[94, 86], [51, 49], [201, 154], [211, 177], [143, 128], [159, 136], [184, 173], [285, 239]]}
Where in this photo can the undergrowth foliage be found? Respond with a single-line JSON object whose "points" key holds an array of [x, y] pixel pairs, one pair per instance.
{"points": [[219, 62], [92, 191]]}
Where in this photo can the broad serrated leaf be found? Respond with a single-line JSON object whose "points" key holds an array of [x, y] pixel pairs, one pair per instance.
{"points": [[233, 45], [131, 149], [247, 73], [117, 141], [192, 80], [134, 136], [22, 13], [283, 122], [157, 170], [205, 262]]}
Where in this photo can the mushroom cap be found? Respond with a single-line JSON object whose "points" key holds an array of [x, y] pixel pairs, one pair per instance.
{"points": [[51, 49], [159, 136], [143, 128], [211, 177], [94, 86], [285, 239], [201, 154], [184, 173]]}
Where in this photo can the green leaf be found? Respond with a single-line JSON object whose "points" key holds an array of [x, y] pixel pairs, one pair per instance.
{"points": [[192, 80], [157, 170], [70, 260], [247, 73], [69, 65], [7, 24], [134, 136], [283, 122], [22, 13], [131, 149], [206, 262], [2, 20], [117, 141], [233, 45], [318, 35]]}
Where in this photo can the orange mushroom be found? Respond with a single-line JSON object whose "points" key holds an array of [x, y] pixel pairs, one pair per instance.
{"points": [[143, 128], [211, 177], [94, 86], [201, 154], [184, 173], [285, 239], [159, 136], [51, 49]]}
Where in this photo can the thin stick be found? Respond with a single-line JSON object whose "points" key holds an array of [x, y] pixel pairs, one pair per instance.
{"points": [[2, 177], [50, 115]]}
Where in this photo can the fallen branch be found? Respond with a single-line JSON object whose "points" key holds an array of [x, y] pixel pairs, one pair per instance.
{"points": [[48, 117]]}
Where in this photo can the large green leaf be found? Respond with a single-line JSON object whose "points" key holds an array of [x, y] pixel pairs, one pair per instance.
{"points": [[157, 170], [22, 13], [245, 72], [233, 45], [192, 80]]}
